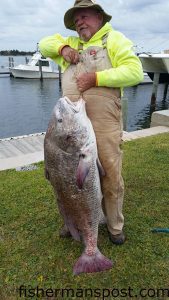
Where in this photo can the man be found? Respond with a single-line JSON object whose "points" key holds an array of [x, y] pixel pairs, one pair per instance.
{"points": [[97, 65]]}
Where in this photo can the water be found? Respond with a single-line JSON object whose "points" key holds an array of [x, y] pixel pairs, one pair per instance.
{"points": [[139, 111], [4, 60], [26, 105]]}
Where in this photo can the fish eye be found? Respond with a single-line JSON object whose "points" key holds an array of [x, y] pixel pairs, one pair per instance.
{"points": [[60, 120]]}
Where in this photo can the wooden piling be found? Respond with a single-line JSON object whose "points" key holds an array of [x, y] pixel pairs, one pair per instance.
{"points": [[40, 70], [26, 60], [165, 91], [124, 103], [154, 90], [60, 79], [11, 62]]}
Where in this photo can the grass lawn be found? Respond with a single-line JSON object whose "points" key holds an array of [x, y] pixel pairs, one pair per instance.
{"points": [[33, 255]]}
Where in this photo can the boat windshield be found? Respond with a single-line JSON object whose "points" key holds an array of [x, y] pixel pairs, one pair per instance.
{"points": [[43, 63]]}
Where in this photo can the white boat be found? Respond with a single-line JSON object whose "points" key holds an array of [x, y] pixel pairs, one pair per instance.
{"points": [[36, 68], [156, 63]]}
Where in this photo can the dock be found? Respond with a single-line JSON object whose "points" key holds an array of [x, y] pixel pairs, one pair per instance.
{"points": [[157, 67], [21, 150], [28, 149], [5, 71]]}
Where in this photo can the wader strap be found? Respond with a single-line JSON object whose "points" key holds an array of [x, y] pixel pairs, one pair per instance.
{"points": [[80, 47], [104, 40]]}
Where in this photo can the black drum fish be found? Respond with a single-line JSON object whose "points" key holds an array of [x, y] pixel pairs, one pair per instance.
{"points": [[72, 166]]}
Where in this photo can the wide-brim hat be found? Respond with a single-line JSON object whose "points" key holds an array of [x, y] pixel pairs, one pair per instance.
{"points": [[68, 18]]}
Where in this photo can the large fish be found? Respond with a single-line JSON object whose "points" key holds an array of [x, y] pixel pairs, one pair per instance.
{"points": [[71, 165]]}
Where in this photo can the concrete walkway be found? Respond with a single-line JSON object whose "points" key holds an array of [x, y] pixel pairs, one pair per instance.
{"points": [[24, 150], [128, 136], [21, 150]]}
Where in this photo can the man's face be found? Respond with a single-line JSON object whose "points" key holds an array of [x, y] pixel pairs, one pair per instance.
{"points": [[87, 22]]}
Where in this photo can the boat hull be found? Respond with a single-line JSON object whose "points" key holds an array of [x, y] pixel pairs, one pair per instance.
{"points": [[18, 73], [164, 77], [156, 63]]}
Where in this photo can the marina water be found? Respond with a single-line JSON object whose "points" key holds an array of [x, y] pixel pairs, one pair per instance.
{"points": [[26, 104]]}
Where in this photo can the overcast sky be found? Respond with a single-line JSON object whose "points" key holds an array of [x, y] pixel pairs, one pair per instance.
{"points": [[24, 22]]}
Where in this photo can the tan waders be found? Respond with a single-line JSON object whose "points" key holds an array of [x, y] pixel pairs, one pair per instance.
{"points": [[103, 107]]}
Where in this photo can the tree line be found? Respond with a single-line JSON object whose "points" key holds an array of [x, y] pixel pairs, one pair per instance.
{"points": [[15, 52]]}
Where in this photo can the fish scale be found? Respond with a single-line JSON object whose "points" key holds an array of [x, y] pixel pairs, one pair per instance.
{"points": [[71, 166]]}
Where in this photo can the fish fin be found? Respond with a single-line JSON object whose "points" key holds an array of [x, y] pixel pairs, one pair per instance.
{"points": [[72, 228], [82, 171], [69, 225], [74, 232], [90, 264], [100, 168]]}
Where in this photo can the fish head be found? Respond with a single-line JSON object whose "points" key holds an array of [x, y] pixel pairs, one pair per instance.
{"points": [[71, 124]]}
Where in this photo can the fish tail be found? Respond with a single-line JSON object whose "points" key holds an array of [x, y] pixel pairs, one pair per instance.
{"points": [[93, 263]]}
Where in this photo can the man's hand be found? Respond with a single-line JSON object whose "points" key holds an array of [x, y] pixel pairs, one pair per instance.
{"points": [[85, 81], [70, 55]]}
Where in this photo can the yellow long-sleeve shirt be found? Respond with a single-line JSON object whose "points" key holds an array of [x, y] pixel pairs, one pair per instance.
{"points": [[126, 67]]}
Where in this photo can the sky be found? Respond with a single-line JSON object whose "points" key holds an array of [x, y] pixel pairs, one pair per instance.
{"points": [[24, 22]]}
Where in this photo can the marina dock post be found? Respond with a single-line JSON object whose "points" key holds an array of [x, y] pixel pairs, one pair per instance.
{"points": [[40, 70], [60, 80], [11, 62], [124, 103], [26, 60], [154, 90], [165, 91]]}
